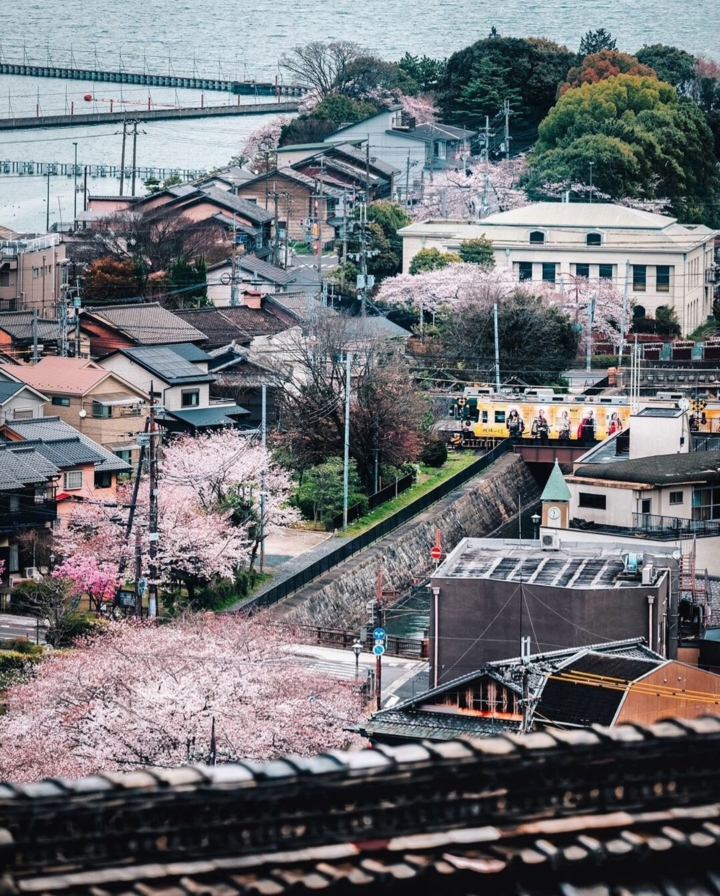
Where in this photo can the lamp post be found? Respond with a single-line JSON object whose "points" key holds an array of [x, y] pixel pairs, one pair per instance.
{"points": [[535, 520], [75, 173], [357, 650]]}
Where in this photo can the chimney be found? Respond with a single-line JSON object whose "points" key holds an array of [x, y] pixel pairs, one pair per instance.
{"points": [[252, 298]]}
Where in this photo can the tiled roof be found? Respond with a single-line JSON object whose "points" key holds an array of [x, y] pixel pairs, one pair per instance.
{"points": [[56, 435], [19, 326], [69, 452], [20, 467], [234, 203], [434, 726], [556, 489], [216, 325], [255, 321], [299, 305], [696, 466], [358, 154], [7, 390], [69, 376], [190, 352], [165, 363], [146, 324], [374, 327], [433, 131], [265, 270], [629, 810]]}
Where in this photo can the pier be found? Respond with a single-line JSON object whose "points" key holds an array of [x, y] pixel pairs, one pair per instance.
{"points": [[68, 169], [164, 114], [120, 76]]}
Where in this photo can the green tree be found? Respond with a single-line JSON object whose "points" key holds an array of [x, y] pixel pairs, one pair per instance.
{"points": [[477, 79], [595, 41], [188, 280], [385, 218], [478, 251], [666, 320], [320, 495], [537, 341], [670, 64], [425, 72], [642, 138], [335, 110], [432, 260], [112, 281]]}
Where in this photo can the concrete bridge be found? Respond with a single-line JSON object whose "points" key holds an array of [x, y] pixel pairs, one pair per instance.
{"points": [[168, 114], [189, 82]]}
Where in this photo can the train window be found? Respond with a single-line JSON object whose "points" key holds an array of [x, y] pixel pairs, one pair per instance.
{"points": [[484, 416], [474, 414], [499, 416]]}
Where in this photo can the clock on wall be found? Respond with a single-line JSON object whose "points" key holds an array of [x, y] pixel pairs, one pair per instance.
{"points": [[554, 513]]}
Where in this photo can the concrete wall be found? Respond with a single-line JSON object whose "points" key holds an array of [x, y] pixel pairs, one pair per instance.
{"points": [[338, 599]]}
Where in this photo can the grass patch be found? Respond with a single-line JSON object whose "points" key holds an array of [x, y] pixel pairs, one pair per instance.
{"points": [[704, 331], [261, 578], [427, 480]]}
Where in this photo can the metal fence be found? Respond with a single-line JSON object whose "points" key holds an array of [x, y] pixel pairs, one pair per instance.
{"points": [[375, 500], [395, 645], [379, 530]]}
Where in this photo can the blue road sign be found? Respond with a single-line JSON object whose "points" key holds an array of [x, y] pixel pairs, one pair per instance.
{"points": [[379, 649], [142, 586], [379, 633]]}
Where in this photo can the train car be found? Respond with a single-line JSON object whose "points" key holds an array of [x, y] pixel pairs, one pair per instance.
{"points": [[482, 414], [538, 414]]}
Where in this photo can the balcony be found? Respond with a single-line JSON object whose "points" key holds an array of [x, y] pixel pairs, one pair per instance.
{"points": [[712, 275], [669, 527], [30, 516]]}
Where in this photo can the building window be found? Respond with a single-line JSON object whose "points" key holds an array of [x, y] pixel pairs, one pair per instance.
{"points": [[537, 237], [123, 454], [60, 402], [582, 270], [24, 414], [662, 278], [595, 502], [103, 479], [606, 272], [593, 239], [14, 503], [549, 270], [706, 503], [525, 270], [13, 558], [639, 277], [676, 497], [4, 278], [72, 480], [190, 399], [35, 273], [102, 411]]}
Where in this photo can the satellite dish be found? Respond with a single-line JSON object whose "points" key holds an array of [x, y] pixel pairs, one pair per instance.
{"points": [[683, 404], [676, 555], [83, 412]]}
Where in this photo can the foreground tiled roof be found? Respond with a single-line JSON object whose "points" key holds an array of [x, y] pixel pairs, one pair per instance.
{"points": [[19, 326], [69, 376], [215, 324], [146, 324], [65, 446], [630, 810], [20, 467]]}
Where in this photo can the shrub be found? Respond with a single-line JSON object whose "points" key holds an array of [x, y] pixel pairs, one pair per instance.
{"points": [[434, 454], [14, 664]]}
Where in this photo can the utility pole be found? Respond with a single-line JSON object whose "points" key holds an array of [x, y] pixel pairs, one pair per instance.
{"points": [[380, 620], [63, 321], [85, 188], [134, 154], [591, 180], [623, 323], [36, 352], [122, 156], [363, 259], [76, 304], [497, 348], [234, 302], [346, 456], [263, 442], [47, 204], [407, 181], [588, 341], [276, 242], [506, 112], [75, 174], [486, 151], [153, 510]]}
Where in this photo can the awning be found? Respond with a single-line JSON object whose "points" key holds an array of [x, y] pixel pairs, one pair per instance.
{"points": [[116, 398], [129, 446]]}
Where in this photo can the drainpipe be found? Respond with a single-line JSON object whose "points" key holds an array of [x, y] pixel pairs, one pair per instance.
{"points": [[651, 601]]}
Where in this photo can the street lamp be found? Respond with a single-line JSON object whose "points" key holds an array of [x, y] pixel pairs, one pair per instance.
{"points": [[535, 520], [357, 650]]}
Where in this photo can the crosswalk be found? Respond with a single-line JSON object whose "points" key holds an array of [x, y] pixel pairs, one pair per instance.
{"points": [[347, 672]]}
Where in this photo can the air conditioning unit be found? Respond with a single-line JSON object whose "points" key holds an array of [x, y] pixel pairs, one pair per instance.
{"points": [[648, 574], [11, 581], [31, 572], [550, 541]]}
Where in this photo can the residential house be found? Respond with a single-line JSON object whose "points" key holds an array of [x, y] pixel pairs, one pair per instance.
{"points": [[555, 591], [125, 326], [655, 258], [99, 404], [177, 378], [239, 324], [351, 168], [87, 470], [250, 273], [33, 272], [19, 401], [559, 689], [241, 374], [28, 483], [21, 331], [402, 143], [304, 205]]}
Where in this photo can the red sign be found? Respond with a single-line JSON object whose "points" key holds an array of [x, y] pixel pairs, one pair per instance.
{"points": [[436, 552]]}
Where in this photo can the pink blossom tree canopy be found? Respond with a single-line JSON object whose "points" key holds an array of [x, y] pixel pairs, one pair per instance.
{"points": [[142, 695], [86, 575]]}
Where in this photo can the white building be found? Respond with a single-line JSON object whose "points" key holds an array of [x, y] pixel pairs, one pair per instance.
{"points": [[658, 260]]}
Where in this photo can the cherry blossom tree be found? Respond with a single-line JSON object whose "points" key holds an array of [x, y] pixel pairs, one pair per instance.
{"points": [[475, 192], [142, 695], [86, 575]]}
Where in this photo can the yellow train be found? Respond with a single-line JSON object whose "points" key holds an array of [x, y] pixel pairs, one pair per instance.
{"points": [[481, 413]]}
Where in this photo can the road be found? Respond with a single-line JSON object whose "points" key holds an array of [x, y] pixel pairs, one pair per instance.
{"points": [[400, 677], [12, 627]]}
